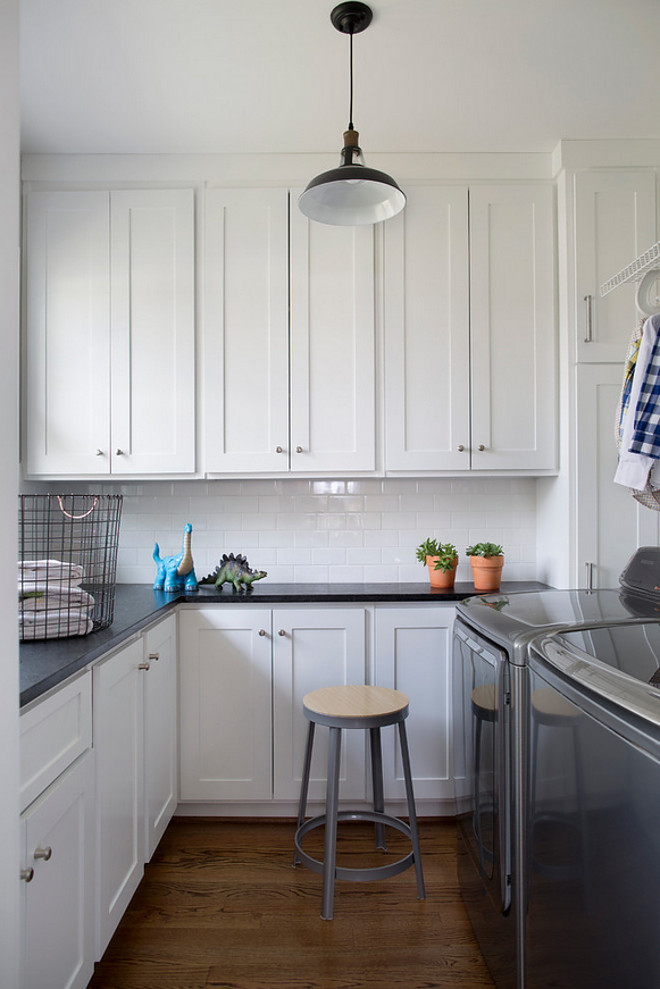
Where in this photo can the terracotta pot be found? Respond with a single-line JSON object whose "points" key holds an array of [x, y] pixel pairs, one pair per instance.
{"points": [[441, 578], [486, 573]]}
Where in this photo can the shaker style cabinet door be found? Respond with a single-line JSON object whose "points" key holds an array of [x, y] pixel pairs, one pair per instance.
{"points": [[413, 654], [333, 414], [67, 333], [58, 908], [160, 735], [225, 703], [512, 327], [615, 221], [609, 522], [427, 321], [314, 648], [152, 304], [245, 338]]}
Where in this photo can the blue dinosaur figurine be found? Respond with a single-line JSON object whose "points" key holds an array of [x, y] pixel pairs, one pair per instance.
{"points": [[176, 573]]}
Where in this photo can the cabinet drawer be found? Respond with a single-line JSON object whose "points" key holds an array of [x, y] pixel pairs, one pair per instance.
{"points": [[53, 734]]}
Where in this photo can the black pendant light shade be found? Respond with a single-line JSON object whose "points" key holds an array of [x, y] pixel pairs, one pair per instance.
{"points": [[351, 194]]}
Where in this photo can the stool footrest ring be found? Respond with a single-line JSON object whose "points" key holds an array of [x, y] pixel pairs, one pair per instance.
{"points": [[356, 875]]}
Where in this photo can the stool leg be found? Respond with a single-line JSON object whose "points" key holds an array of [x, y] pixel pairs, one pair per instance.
{"points": [[377, 783], [331, 803], [304, 784], [412, 815]]}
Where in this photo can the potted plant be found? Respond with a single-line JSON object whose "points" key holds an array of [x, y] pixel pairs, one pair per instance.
{"points": [[441, 559], [486, 560]]}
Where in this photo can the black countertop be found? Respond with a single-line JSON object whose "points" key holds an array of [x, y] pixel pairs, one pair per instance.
{"points": [[46, 664]]}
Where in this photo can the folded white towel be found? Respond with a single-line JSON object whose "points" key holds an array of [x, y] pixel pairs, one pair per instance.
{"points": [[54, 624], [54, 597], [51, 571]]}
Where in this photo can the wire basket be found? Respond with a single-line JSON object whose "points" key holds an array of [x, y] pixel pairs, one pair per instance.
{"points": [[67, 564]]}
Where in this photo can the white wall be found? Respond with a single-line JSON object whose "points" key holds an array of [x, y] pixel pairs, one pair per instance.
{"points": [[9, 241], [318, 531]]}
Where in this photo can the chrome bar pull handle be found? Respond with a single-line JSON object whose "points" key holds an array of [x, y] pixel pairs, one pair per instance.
{"points": [[590, 575], [589, 330]]}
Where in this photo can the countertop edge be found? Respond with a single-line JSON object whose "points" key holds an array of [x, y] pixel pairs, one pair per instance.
{"points": [[47, 664]]}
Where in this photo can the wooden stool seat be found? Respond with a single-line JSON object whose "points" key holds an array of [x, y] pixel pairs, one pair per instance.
{"points": [[355, 702], [351, 706]]}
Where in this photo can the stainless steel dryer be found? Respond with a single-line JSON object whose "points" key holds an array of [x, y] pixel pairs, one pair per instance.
{"points": [[492, 635], [593, 818]]}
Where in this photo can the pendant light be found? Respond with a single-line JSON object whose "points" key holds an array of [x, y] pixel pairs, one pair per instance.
{"points": [[351, 194]]}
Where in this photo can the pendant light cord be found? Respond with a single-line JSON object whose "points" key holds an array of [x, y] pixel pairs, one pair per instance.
{"points": [[350, 107]]}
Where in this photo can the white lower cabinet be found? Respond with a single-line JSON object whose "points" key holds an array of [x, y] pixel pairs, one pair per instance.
{"points": [[412, 653], [57, 835], [134, 728], [237, 665]]}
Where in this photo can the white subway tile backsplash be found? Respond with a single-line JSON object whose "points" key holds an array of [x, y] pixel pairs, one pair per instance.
{"points": [[322, 530]]}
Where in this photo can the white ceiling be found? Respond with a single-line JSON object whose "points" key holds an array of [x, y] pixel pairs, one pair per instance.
{"points": [[212, 76]]}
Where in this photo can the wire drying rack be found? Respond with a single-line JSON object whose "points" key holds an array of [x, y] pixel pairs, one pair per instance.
{"points": [[67, 563], [646, 262]]}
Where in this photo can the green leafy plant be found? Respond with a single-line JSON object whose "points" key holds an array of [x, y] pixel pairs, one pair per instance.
{"points": [[446, 553], [484, 549]]}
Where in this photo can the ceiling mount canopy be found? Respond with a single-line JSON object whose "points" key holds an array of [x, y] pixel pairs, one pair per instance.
{"points": [[351, 194]]}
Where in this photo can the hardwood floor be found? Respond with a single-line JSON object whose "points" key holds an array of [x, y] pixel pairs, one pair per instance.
{"points": [[221, 907]]}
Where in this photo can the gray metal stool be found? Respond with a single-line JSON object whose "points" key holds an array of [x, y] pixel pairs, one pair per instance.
{"points": [[355, 706]]}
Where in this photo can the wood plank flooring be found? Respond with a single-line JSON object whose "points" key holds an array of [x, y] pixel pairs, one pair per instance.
{"points": [[221, 907]]}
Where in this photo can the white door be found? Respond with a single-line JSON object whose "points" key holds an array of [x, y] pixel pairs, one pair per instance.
{"points": [[245, 363], [426, 319], [513, 337], [160, 734], [225, 708], [413, 654], [58, 928], [332, 346], [118, 705], [314, 648], [610, 524], [67, 329], [153, 331], [615, 221]]}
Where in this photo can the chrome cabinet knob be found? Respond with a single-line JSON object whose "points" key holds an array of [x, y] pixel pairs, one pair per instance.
{"points": [[481, 448], [144, 666], [299, 449], [43, 853], [281, 632], [99, 453], [119, 453], [460, 448], [278, 449], [155, 656], [262, 631], [27, 875]]}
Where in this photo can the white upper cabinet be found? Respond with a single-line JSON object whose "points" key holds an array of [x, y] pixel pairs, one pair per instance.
{"points": [[615, 221], [470, 336], [427, 320], [288, 349], [513, 339], [109, 383]]}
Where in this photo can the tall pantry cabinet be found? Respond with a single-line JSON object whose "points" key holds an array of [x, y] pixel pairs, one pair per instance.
{"points": [[614, 215]]}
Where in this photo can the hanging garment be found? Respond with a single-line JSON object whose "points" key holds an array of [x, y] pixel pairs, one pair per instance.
{"points": [[639, 428]]}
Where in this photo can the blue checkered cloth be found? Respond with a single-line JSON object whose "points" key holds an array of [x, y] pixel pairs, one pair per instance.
{"points": [[646, 432]]}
